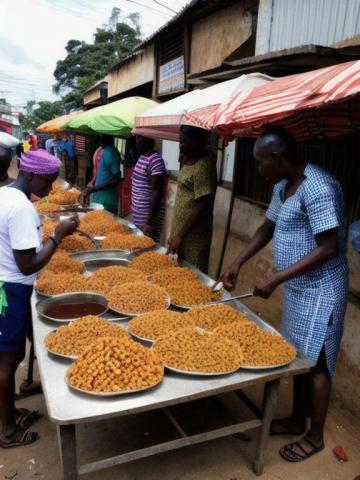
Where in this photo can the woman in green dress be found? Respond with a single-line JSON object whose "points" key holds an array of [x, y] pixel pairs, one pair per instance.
{"points": [[193, 211]]}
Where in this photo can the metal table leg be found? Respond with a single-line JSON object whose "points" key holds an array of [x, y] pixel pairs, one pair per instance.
{"points": [[67, 448], [269, 402]]}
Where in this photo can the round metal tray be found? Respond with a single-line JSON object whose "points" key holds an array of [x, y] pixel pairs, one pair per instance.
{"points": [[110, 394], [133, 314], [66, 298], [56, 354], [94, 264], [267, 367], [137, 337], [201, 374]]}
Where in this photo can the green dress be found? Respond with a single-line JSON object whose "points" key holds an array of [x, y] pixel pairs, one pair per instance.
{"points": [[195, 181]]}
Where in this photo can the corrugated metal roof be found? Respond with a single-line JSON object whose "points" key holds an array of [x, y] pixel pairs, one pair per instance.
{"points": [[319, 22]]}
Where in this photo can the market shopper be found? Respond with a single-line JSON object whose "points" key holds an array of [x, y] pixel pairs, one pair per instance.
{"points": [[193, 211], [108, 176], [305, 221], [21, 257], [68, 156], [5, 161], [147, 189]]}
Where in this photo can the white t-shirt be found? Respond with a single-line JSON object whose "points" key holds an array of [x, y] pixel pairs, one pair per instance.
{"points": [[20, 229]]}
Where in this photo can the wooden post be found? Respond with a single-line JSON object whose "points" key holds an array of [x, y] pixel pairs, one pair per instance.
{"points": [[271, 392], [67, 449]]}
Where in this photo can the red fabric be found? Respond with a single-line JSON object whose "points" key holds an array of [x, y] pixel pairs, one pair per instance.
{"points": [[79, 143], [33, 142], [321, 102], [96, 161]]}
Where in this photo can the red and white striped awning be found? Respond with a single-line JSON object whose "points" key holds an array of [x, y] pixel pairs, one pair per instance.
{"points": [[196, 108], [324, 102]]}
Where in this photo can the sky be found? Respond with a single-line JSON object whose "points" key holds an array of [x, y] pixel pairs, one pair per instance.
{"points": [[33, 36]]}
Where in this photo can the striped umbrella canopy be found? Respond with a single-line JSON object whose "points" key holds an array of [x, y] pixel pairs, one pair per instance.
{"points": [[196, 108], [323, 102], [56, 125]]}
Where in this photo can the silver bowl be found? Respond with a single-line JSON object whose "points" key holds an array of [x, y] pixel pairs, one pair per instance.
{"points": [[70, 298]]}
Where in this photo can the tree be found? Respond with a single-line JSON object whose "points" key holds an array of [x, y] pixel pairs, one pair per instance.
{"points": [[85, 63], [36, 114]]}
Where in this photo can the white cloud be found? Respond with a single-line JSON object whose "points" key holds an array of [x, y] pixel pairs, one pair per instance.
{"points": [[34, 34]]}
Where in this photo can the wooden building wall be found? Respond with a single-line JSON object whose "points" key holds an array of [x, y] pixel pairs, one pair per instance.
{"points": [[92, 96], [137, 71], [218, 35]]}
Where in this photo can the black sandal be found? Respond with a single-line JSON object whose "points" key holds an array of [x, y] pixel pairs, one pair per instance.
{"points": [[26, 439], [289, 454], [27, 418]]}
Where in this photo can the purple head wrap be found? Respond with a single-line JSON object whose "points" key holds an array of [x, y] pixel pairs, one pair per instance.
{"points": [[39, 162]]}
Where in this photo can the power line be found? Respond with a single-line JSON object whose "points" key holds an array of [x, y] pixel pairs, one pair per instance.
{"points": [[149, 8], [165, 6]]}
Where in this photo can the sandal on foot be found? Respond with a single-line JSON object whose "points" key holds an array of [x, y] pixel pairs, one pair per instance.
{"points": [[23, 393], [27, 418], [289, 453], [26, 439], [287, 428]]}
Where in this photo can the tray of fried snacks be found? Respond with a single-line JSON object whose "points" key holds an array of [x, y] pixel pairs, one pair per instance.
{"points": [[150, 326], [151, 262], [134, 298], [45, 207], [188, 293], [48, 228], [61, 261], [210, 317], [126, 242], [70, 340], [262, 349], [170, 275], [119, 274], [65, 198], [104, 279], [77, 243], [99, 224], [193, 351], [50, 283], [115, 366]]}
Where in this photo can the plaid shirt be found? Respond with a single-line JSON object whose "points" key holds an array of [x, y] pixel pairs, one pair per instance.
{"points": [[315, 303]]}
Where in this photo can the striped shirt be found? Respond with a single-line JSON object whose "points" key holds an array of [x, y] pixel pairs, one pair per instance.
{"points": [[141, 190]]}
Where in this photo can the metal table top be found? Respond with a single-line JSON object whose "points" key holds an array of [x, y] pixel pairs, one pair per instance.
{"points": [[66, 406]]}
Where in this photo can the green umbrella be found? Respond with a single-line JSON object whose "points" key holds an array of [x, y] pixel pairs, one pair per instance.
{"points": [[115, 119]]}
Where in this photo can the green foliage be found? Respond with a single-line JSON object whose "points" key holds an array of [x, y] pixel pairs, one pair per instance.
{"points": [[43, 112], [85, 63]]}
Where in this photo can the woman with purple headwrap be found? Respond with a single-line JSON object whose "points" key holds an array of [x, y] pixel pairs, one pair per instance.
{"points": [[21, 257]]}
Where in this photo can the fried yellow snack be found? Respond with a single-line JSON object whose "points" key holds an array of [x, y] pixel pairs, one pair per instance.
{"points": [[137, 297], [50, 283], [115, 365], [152, 325], [72, 339], [168, 276], [103, 279], [261, 348], [45, 207], [99, 223], [119, 274], [210, 317], [194, 350], [65, 197], [48, 228], [76, 243], [192, 292], [151, 262], [62, 262], [121, 241]]}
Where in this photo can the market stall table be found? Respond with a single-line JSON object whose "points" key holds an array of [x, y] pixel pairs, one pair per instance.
{"points": [[67, 408]]}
